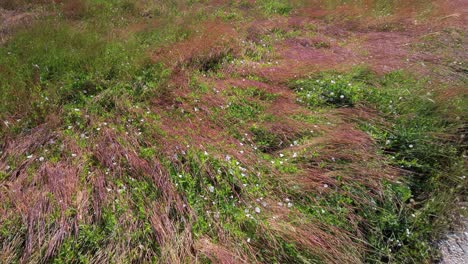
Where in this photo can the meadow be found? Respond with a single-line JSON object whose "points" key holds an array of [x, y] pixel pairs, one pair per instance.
{"points": [[231, 131]]}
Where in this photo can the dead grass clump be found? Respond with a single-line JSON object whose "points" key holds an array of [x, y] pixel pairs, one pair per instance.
{"points": [[171, 219], [259, 28], [331, 246], [75, 9], [204, 50], [51, 190], [312, 180], [217, 253]]}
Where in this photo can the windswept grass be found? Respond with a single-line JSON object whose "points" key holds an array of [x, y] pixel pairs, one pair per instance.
{"points": [[418, 137], [139, 132]]}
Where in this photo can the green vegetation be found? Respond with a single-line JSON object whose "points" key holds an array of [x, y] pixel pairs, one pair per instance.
{"points": [[414, 137], [280, 7], [193, 131]]}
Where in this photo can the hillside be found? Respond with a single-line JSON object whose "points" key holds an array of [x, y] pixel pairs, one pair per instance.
{"points": [[231, 131]]}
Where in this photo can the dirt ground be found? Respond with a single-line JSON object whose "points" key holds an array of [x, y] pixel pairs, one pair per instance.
{"points": [[454, 249]]}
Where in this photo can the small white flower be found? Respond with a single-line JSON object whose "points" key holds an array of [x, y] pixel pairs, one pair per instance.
{"points": [[281, 155], [206, 153], [257, 210], [341, 96], [411, 146], [211, 188], [294, 155], [41, 158], [290, 205], [325, 185], [70, 127], [29, 156], [248, 240], [73, 155]]}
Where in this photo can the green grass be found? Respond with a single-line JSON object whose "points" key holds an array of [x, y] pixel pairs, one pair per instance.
{"points": [[413, 138], [113, 108], [280, 7]]}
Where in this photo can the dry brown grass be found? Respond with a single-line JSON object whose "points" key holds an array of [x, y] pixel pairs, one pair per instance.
{"points": [[211, 42], [218, 253], [74, 9], [35, 191]]}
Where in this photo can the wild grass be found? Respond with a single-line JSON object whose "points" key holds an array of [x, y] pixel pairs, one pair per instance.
{"points": [[132, 137], [418, 138]]}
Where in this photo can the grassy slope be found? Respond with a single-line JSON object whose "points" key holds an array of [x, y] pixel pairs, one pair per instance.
{"points": [[134, 132]]}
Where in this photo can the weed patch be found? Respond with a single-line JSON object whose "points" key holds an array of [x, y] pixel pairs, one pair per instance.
{"points": [[415, 141]]}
